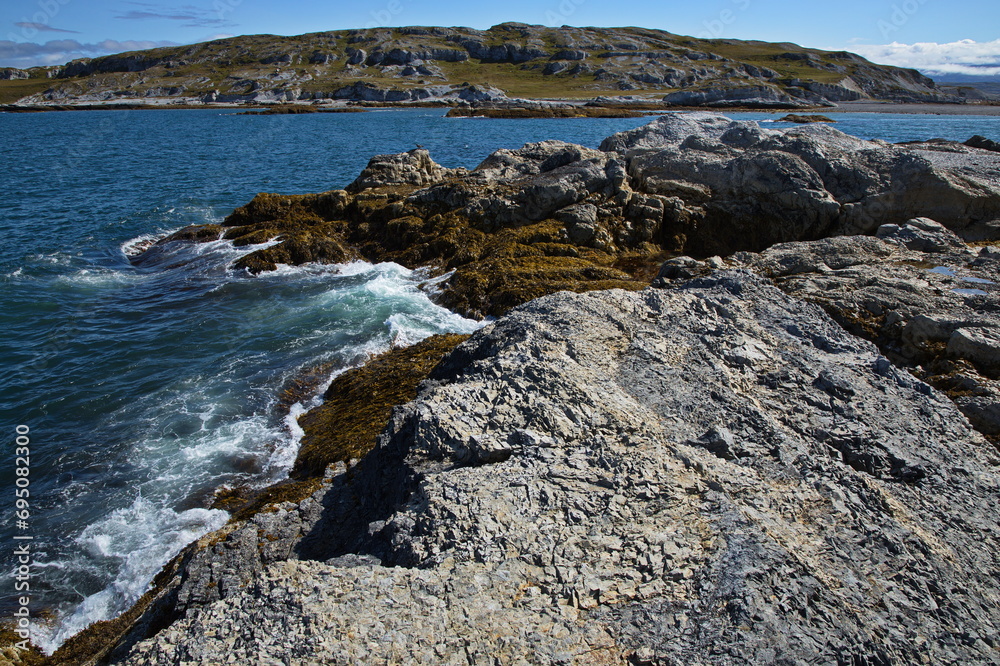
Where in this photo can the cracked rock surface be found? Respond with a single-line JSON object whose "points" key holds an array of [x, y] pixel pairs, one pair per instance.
{"points": [[711, 473]]}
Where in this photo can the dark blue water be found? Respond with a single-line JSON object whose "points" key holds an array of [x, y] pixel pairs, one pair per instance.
{"points": [[147, 388], [897, 127]]}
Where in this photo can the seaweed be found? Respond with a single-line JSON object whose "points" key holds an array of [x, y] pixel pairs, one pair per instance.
{"points": [[357, 406]]}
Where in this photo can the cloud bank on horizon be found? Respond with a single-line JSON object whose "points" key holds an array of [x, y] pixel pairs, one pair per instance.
{"points": [[60, 51], [966, 57]]}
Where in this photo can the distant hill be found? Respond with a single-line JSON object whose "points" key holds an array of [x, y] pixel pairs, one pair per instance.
{"points": [[970, 87], [963, 78], [419, 63]]}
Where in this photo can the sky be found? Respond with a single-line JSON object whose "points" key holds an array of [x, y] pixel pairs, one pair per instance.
{"points": [[935, 36]]}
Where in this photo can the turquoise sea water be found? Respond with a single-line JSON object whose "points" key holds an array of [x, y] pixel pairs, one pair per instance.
{"points": [[145, 387]]}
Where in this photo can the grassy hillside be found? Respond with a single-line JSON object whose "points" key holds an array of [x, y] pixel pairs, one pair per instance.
{"points": [[525, 61]]}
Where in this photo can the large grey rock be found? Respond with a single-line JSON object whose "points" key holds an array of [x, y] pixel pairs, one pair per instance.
{"points": [[932, 309], [410, 168], [13, 74], [715, 473], [758, 96], [745, 187], [922, 235]]}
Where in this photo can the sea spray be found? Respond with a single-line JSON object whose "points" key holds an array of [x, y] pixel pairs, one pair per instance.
{"points": [[203, 411]]}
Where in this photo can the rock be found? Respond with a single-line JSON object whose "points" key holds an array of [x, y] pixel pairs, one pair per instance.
{"points": [[599, 475], [764, 97], [912, 292], [321, 58], [923, 235], [411, 168], [356, 56], [553, 215], [979, 345], [580, 221], [279, 59], [477, 93], [13, 74], [569, 54], [680, 268], [844, 91], [982, 142], [805, 119], [762, 186]]}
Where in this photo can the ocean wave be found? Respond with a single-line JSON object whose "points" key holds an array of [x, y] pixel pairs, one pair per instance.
{"points": [[98, 277], [209, 418], [141, 537], [133, 247]]}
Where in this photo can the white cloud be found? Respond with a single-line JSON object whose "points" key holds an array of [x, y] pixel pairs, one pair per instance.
{"points": [[962, 57], [59, 51]]}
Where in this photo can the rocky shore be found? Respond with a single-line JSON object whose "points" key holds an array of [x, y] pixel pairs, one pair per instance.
{"points": [[763, 431]]}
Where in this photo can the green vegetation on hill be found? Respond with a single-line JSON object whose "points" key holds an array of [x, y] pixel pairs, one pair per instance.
{"points": [[522, 60]]}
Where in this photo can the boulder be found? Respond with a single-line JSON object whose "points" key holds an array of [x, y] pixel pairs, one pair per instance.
{"points": [[978, 141], [923, 235], [13, 74], [750, 187], [762, 96], [410, 168]]}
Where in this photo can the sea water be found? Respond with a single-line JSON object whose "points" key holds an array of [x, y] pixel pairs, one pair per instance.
{"points": [[148, 385]]}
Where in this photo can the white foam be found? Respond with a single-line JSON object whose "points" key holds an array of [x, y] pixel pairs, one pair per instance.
{"points": [[435, 286], [98, 277], [133, 247], [409, 329], [203, 427], [283, 456], [141, 537]]}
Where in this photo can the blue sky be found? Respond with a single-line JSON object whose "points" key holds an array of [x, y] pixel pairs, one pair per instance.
{"points": [[951, 34]]}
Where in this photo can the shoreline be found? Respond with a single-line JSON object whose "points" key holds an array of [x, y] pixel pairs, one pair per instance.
{"points": [[340, 543], [917, 109], [424, 166], [841, 108]]}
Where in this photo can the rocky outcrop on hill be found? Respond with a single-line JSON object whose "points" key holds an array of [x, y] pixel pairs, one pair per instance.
{"points": [[713, 472], [13, 74], [756, 97], [564, 62]]}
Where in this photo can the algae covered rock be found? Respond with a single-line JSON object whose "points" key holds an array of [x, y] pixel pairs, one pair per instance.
{"points": [[554, 216]]}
